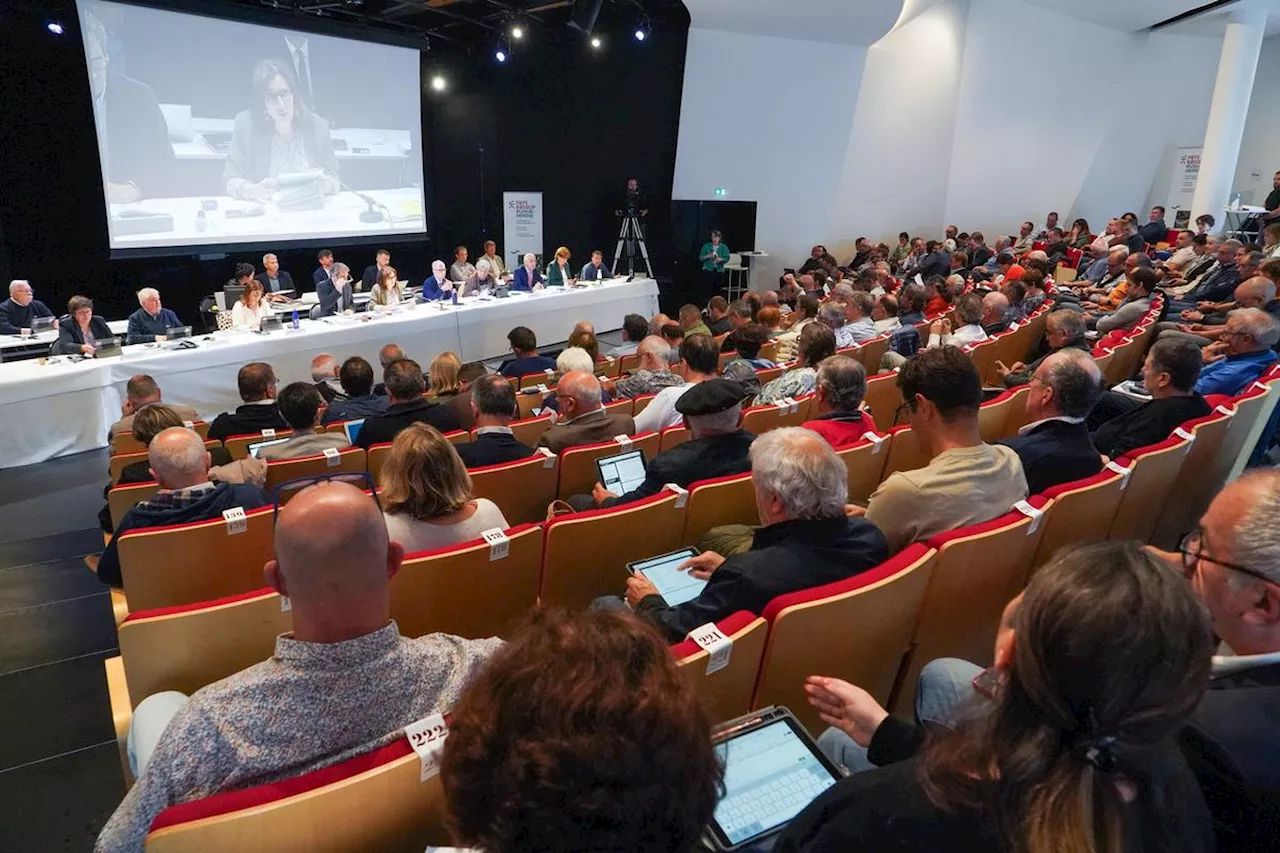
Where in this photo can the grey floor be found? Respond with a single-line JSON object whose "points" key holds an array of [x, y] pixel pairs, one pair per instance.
{"points": [[59, 771]]}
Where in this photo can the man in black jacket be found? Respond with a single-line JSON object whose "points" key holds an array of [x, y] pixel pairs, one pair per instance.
{"points": [[1055, 448], [718, 446], [1121, 423], [274, 280], [405, 386], [257, 383], [807, 540], [493, 402]]}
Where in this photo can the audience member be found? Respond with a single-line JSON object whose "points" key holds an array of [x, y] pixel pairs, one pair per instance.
{"points": [[653, 371], [1207, 326], [817, 341], [1154, 231], [405, 387], [493, 406], [257, 384], [1055, 447], [426, 494], [524, 344], [859, 311], [324, 373], [139, 392], [905, 339], [180, 463], [582, 418], [358, 400], [995, 313], [771, 318], [152, 321], [885, 314], [673, 335], [344, 682], [966, 481], [460, 402], [386, 355], [442, 376], [570, 359], [839, 389], [300, 408], [1141, 283], [747, 341], [1122, 423], [806, 313], [831, 315], [691, 321], [21, 309], [1076, 748], [718, 315], [1243, 352], [1064, 329], [699, 361], [806, 539], [717, 446], [970, 312], [634, 330]]}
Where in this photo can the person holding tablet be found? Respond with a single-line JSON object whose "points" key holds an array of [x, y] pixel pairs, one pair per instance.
{"points": [[717, 447], [801, 488]]}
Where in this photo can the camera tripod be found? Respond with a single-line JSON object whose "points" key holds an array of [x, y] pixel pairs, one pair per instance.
{"points": [[631, 235]]}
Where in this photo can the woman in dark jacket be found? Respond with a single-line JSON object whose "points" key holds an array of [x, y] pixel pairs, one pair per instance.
{"points": [[80, 328]]}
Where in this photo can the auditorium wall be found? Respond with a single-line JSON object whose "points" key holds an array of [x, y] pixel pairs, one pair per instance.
{"points": [[977, 112], [1260, 149]]}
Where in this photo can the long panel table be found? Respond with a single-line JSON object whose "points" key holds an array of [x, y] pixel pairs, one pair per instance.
{"points": [[61, 407]]}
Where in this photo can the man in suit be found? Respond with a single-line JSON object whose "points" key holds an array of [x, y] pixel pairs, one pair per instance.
{"points": [[137, 158], [373, 272], [140, 392], [21, 308], [405, 386], [718, 446], [257, 382], [437, 285], [583, 419], [322, 273], [274, 280], [300, 407], [1055, 447], [335, 292], [493, 402], [527, 275]]}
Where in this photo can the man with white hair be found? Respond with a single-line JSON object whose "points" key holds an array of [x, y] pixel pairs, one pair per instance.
{"points": [[583, 419], [653, 372], [335, 293], [481, 279], [275, 281], [152, 321], [805, 540], [180, 463], [717, 446], [21, 308], [995, 313], [527, 275], [437, 286], [1242, 353], [324, 373]]}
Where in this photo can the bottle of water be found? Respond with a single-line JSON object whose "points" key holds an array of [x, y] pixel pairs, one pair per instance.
{"points": [[1235, 201], [295, 319]]}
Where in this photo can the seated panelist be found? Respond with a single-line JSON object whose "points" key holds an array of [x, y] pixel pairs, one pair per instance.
{"points": [[21, 308], [152, 321], [388, 291], [80, 328], [335, 294], [527, 276], [482, 279], [437, 286], [559, 274], [250, 308]]}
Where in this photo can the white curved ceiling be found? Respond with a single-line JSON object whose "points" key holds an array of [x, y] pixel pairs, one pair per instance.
{"points": [[861, 22]]}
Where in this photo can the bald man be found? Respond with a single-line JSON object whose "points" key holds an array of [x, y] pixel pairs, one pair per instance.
{"points": [[343, 683], [180, 463], [582, 418], [1205, 327], [324, 373], [386, 355]]}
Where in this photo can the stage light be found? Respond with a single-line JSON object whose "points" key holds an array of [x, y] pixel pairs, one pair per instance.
{"points": [[642, 31], [438, 83], [501, 50], [596, 42], [500, 55], [641, 35], [517, 32], [54, 27]]}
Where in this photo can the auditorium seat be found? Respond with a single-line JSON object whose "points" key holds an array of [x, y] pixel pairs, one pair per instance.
{"points": [[768, 351], [586, 553], [993, 416], [728, 691], [529, 430], [377, 455], [375, 801], [124, 442], [119, 461], [465, 590], [619, 407], [521, 489], [983, 356], [717, 501], [458, 436], [784, 413], [871, 352], [639, 404], [976, 572], [629, 363], [121, 499], [187, 647], [578, 464], [768, 374], [1080, 511], [883, 398], [865, 462], [526, 403], [1205, 469], [238, 445], [857, 629], [200, 561], [1152, 472], [608, 367], [725, 358], [1103, 356], [533, 380], [671, 437], [905, 452], [351, 460]]}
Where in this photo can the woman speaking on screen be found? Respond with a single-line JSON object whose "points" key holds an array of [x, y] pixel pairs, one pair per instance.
{"points": [[277, 136]]}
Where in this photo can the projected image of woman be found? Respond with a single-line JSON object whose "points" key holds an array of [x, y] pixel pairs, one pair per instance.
{"points": [[277, 136]]}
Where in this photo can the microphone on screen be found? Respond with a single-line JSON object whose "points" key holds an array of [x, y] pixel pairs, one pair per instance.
{"points": [[375, 212]]}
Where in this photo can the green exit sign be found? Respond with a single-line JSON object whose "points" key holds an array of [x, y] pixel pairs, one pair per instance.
{"points": [[720, 192]]}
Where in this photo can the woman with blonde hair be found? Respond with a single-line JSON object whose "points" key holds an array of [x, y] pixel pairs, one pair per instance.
{"points": [[559, 274], [387, 290], [426, 494], [442, 375], [250, 308]]}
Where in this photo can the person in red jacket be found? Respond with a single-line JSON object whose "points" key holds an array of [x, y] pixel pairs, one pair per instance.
{"points": [[841, 385]]}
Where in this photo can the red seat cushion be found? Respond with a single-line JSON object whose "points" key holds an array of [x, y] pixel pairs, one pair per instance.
{"points": [[1062, 488], [888, 568], [459, 546], [728, 626], [199, 605]]}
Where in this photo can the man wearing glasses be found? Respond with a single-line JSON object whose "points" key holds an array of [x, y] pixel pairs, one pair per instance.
{"points": [[344, 682]]}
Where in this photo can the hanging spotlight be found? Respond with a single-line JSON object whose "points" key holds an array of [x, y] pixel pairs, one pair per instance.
{"points": [[642, 31], [54, 27], [517, 32], [500, 55], [438, 83], [596, 43], [502, 50]]}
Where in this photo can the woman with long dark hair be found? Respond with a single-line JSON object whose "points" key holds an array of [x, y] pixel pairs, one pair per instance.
{"points": [[1097, 665]]}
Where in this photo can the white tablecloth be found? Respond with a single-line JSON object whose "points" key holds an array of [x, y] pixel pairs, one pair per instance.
{"points": [[61, 407]]}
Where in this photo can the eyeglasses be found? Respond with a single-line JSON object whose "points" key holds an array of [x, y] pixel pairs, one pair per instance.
{"points": [[1189, 548], [290, 488], [278, 97]]}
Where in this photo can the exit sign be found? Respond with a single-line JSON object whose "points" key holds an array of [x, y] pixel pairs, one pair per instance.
{"points": [[720, 192]]}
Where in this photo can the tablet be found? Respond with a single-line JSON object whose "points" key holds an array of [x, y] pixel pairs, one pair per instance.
{"points": [[621, 473], [772, 771], [254, 448], [675, 586], [352, 429]]}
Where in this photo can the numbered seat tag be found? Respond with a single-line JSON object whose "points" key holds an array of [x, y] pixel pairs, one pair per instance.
{"points": [[268, 433], [332, 457], [236, 520], [1122, 471], [682, 494], [499, 544], [717, 646], [876, 440], [625, 441], [285, 604], [1032, 513], [1182, 433], [427, 738], [548, 458]]}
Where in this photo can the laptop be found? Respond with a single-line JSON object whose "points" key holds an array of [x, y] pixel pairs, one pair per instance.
{"points": [[254, 448], [177, 333], [106, 347], [270, 323], [352, 429], [41, 324], [772, 771], [675, 587], [621, 473]]}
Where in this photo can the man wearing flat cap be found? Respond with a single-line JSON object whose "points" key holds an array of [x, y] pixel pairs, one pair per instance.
{"points": [[717, 446]]}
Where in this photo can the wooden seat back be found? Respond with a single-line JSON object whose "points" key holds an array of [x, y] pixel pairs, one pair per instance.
{"points": [[728, 691], [349, 461], [578, 464], [718, 501], [521, 489]]}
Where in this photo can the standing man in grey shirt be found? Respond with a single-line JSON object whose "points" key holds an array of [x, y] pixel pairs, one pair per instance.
{"points": [[344, 682]]}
